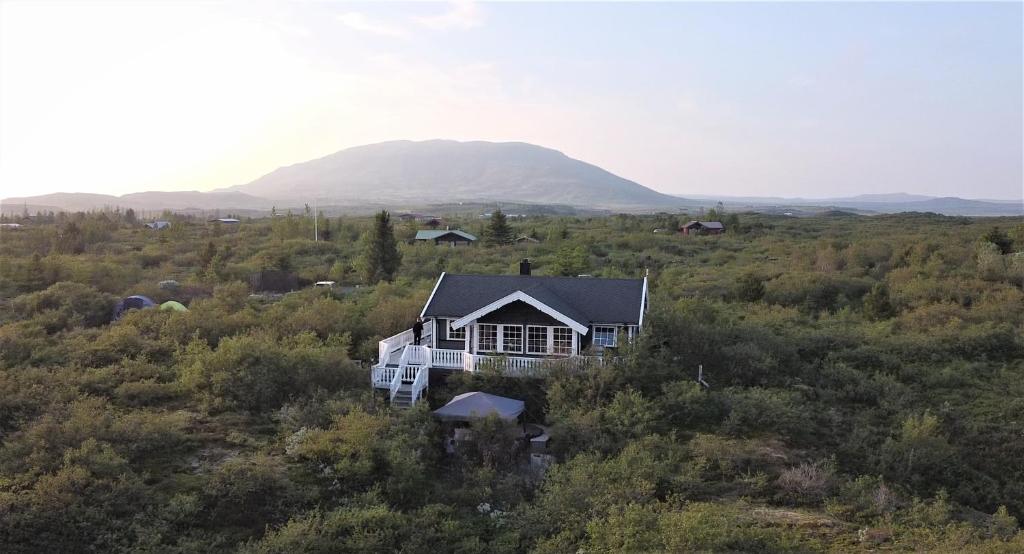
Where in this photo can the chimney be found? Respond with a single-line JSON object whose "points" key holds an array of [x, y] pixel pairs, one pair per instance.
{"points": [[524, 266]]}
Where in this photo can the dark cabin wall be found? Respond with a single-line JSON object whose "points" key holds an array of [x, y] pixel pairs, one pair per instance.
{"points": [[520, 313], [449, 238], [441, 328]]}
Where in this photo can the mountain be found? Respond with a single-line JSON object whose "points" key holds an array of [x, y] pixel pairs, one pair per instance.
{"points": [[874, 203], [437, 171]]}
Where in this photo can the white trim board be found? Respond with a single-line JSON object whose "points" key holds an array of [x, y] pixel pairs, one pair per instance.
{"points": [[423, 312], [643, 305], [522, 297]]}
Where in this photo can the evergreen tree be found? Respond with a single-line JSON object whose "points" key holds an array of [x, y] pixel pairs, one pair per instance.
{"points": [[570, 262], [381, 257], [999, 238], [498, 232], [877, 304]]}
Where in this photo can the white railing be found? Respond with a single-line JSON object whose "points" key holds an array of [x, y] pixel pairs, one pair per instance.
{"points": [[414, 358], [420, 383], [450, 359], [396, 383], [413, 369], [382, 376], [519, 366], [392, 344], [416, 355]]}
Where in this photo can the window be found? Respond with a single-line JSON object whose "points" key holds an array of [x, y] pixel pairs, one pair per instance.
{"points": [[561, 340], [604, 335], [488, 339], [456, 334], [512, 338], [536, 340]]}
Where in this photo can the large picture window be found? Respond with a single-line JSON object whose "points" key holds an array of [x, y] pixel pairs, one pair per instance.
{"points": [[536, 340], [488, 339], [455, 334], [561, 340], [512, 339], [604, 335]]}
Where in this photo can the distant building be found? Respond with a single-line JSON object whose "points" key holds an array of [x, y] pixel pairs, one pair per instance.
{"points": [[158, 224], [418, 217], [10, 225], [227, 220], [702, 228], [525, 238], [447, 237], [273, 280]]}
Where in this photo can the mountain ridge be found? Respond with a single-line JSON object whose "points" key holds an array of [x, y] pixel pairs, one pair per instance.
{"points": [[441, 170]]}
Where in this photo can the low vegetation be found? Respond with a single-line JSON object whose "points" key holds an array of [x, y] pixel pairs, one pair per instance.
{"points": [[866, 390]]}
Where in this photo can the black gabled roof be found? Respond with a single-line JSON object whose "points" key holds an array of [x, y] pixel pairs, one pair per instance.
{"points": [[587, 300]]}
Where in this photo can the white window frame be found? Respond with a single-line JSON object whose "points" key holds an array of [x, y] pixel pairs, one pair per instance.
{"points": [[455, 334], [480, 332], [572, 339], [604, 329], [546, 348], [522, 338]]}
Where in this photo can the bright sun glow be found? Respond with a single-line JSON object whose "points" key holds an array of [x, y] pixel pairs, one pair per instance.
{"points": [[115, 97]]}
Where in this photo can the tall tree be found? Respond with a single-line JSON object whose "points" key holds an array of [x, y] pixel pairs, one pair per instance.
{"points": [[381, 258], [499, 232], [999, 238]]}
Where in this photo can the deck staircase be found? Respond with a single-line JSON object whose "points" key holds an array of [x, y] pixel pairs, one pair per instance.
{"points": [[411, 376]]}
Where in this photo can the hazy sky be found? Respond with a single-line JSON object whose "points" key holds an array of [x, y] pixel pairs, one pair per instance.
{"points": [[780, 99]]}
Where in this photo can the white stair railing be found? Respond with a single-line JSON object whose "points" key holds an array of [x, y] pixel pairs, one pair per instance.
{"points": [[413, 369], [420, 383]]}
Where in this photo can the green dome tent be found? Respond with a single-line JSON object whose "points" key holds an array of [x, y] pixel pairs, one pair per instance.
{"points": [[172, 305]]}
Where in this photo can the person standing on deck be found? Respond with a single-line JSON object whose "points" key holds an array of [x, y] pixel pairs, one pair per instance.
{"points": [[417, 331]]}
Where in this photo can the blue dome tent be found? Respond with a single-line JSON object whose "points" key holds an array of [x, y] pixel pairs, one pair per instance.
{"points": [[134, 302]]}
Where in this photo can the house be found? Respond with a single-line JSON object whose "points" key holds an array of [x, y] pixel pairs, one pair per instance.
{"points": [[517, 324], [702, 228], [448, 237], [158, 224], [227, 220], [524, 238]]}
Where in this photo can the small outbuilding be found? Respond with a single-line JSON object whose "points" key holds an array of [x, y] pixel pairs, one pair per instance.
{"points": [[703, 228], [158, 225]]}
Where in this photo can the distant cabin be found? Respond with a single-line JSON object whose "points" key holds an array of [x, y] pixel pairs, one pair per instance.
{"points": [[273, 280], [158, 224], [446, 237], [703, 228], [10, 225], [525, 238], [227, 220]]}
